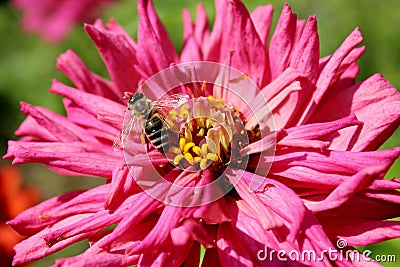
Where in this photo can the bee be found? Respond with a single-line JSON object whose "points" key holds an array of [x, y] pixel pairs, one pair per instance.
{"points": [[147, 119]]}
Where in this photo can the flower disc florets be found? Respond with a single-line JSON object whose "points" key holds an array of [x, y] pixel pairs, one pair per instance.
{"points": [[211, 134]]}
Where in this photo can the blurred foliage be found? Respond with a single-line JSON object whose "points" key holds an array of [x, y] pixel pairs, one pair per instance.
{"points": [[27, 65]]}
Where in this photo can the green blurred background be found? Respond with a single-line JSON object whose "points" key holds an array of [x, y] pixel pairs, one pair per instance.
{"points": [[27, 66]]}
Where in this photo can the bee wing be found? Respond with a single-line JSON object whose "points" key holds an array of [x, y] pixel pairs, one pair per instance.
{"points": [[131, 126], [171, 101]]}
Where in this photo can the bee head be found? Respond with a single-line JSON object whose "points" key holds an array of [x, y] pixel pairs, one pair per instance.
{"points": [[135, 97]]}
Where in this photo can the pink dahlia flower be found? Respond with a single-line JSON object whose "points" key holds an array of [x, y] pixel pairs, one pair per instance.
{"points": [[322, 190], [52, 19]]}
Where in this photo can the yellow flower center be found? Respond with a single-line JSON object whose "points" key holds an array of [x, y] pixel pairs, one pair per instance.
{"points": [[211, 134]]}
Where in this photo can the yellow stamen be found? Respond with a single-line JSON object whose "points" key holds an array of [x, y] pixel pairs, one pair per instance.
{"points": [[203, 164], [200, 132], [172, 114], [200, 121], [212, 156], [188, 146], [196, 150], [178, 158], [45, 216], [182, 143], [188, 136], [196, 159], [204, 149], [183, 111], [209, 123], [188, 156]]}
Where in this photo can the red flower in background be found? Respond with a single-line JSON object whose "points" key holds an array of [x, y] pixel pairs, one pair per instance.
{"points": [[52, 19], [14, 199], [325, 181]]}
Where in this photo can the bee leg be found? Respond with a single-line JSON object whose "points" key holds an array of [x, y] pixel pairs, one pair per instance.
{"points": [[143, 139]]}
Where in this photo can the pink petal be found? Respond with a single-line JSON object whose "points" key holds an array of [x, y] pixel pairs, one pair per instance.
{"points": [[74, 68], [143, 206], [266, 143], [249, 228], [328, 74], [155, 50], [75, 159], [96, 257], [91, 103], [374, 101], [391, 196], [191, 50], [118, 55], [201, 27], [38, 217], [287, 77], [219, 45], [367, 232], [187, 25], [318, 130], [61, 130], [347, 78], [35, 247], [277, 93], [385, 184], [249, 53], [349, 188], [122, 185], [306, 177], [341, 162], [316, 144], [95, 127], [282, 41], [380, 122], [305, 58], [168, 220], [262, 18], [270, 193], [360, 207], [93, 222], [30, 127], [113, 26], [212, 213], [191, 230], [230, 250]]}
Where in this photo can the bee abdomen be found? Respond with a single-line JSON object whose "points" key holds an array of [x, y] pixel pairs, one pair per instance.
{"points": [[153, 125], [156, 133]]}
